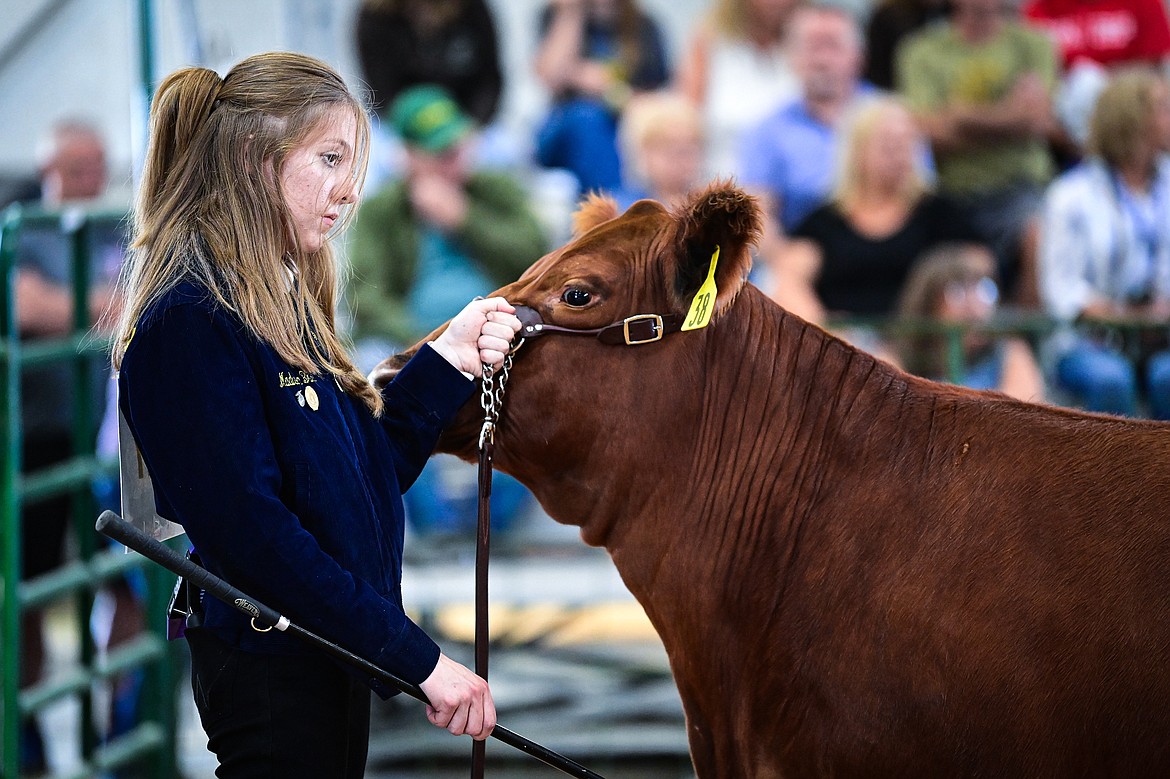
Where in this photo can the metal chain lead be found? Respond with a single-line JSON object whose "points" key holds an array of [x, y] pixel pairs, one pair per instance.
{"points": [[491, 397]]}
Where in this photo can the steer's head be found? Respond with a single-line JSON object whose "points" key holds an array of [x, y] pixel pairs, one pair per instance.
{"points": [[575, 406]]}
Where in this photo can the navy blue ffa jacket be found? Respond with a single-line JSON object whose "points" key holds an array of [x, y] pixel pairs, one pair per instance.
{"points": [[288, 488]]}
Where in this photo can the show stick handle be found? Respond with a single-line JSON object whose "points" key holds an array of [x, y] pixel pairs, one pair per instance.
{"points": [[110, 524]]}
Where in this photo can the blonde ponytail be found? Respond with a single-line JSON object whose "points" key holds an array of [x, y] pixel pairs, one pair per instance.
{"points": [[181, 106]]}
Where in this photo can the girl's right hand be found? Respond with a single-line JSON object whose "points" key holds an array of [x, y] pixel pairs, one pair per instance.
{"points": [[460, 701]]}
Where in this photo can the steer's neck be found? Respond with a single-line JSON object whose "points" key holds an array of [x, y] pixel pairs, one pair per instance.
{"points": [[784, 411]]}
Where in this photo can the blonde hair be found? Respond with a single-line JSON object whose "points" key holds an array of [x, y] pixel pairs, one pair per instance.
{"points": [[856, 135], [211, 210], [733, 18], [649, 116], [1122, 113]]}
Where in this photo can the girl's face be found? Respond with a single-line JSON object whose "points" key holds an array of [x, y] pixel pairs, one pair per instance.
{"points": [[972, 298], [318, 177]]}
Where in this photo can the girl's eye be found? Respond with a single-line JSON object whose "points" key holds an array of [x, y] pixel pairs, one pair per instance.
{"points": [[575, 296], [332, 159]]}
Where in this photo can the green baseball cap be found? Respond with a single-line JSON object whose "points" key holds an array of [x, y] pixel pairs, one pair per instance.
{"points": [[428, 117]]}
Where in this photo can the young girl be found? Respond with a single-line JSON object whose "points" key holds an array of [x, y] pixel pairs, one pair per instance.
{"points": [[285, 466], [852, 254]]}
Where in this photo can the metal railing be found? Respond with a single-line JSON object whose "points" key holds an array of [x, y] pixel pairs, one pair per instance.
{"points": [[151, 742], [1129, 335]]}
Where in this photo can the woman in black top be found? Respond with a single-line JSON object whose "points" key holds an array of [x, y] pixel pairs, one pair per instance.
{"points": [[863, 273], [852, 255]]}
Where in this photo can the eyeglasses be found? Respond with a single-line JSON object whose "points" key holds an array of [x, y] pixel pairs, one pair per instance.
{"points": [[983, 290]]}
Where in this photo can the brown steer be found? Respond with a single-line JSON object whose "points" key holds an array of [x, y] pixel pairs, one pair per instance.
{"points": [[855, 572]]}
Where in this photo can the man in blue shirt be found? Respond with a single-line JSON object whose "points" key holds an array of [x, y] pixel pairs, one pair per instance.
{"points": [[789, 159]]}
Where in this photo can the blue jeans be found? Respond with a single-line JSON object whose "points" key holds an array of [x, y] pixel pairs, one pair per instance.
{"points": [[1100, 378], [1158, 385], [580, 135], [1103, 379]]}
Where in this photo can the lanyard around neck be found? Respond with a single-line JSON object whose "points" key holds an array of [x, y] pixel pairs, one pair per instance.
{"points": [[1145, 227]]}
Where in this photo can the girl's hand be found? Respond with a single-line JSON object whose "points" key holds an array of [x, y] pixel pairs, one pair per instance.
{"points": [[480, 333], [460, 701]]}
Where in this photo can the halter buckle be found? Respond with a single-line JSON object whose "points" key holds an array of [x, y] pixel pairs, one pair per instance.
{"points": [[655, 329]]}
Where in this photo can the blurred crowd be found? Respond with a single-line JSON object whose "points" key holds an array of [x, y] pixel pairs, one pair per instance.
{"points": [[955, 162], [969, 162]]}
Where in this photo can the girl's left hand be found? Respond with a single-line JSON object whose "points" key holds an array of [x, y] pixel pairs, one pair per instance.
{"points": [[480, 333]]}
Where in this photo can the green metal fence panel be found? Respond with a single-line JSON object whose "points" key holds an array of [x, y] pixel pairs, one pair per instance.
{"points": [[152, 743], [10, 504]]}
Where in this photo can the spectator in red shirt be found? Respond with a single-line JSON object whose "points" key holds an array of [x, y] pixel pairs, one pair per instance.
{"points": [[1108, 32], [1094, 37]]}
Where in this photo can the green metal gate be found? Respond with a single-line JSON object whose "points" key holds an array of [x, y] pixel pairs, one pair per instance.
{"points": [[151, 744]]}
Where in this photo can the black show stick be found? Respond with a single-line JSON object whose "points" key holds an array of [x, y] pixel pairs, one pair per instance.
{"points": [[110, 524]]}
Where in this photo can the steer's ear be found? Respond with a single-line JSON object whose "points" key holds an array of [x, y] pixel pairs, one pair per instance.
{"points": [[721, 215]]}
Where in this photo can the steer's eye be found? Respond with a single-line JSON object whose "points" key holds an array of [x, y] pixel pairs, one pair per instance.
{"points": [[575, 296]]}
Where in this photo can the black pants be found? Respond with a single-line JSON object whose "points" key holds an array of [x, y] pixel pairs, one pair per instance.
{"points": [[278, 716]]}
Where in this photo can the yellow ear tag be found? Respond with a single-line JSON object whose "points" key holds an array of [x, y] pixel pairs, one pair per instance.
{"points": [[704, 302]]}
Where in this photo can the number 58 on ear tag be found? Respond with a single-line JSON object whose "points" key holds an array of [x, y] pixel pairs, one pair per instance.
{"points": [[704, 302]]}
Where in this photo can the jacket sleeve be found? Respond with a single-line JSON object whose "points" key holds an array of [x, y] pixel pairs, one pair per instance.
{"points": [[421, 401], [191, 396]]}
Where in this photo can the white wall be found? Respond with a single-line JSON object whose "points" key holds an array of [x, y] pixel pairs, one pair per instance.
{"points": [[85, 59]]}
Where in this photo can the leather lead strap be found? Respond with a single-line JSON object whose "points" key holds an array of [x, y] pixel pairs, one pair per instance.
{"points": [[483, 531]]}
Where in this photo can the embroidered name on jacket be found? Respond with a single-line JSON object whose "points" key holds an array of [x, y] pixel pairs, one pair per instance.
{"points": [[295, 379]]}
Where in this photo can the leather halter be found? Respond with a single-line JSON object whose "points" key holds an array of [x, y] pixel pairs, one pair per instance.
{"points": [[631, 331]]}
